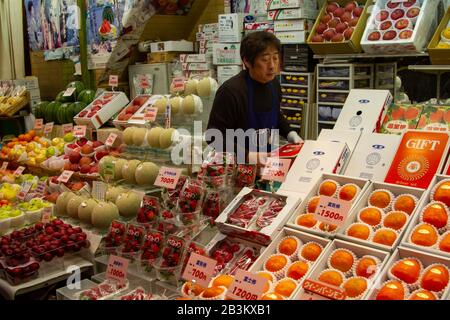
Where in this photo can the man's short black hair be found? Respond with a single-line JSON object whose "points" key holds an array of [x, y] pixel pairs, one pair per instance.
{"points": [[256, 42]]}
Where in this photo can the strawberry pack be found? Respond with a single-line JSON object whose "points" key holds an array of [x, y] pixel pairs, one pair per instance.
{"points": [[115, 237], [133, 241], [151, 248], [149, 211]]}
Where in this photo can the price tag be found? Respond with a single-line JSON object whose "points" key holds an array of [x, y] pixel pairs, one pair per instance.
{"points": [[65, 176], [98, 190], [168, 177], [246, 286], [24, 190], [168, 116], [178, 84], [332, 211], [117, 269], [5, 165], [111, 139], [276, 169], [113, 80], [108, 169], [324, 290], [199, 269], [38, 124], [68, 127], [79, 131], [47, 214], [69, 92], [41, 187], [48, 128], [19, 171], [150, 114]]}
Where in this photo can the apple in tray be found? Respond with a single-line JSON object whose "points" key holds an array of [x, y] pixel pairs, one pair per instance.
{"points": [[132, 108]]}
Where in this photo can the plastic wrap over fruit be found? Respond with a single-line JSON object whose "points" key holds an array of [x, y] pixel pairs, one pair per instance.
{"points": [[245, 214]]}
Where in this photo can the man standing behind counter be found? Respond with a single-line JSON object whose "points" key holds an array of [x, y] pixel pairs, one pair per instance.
{"points": [[251, 99]]}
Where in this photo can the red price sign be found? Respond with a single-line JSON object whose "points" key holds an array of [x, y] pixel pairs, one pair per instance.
{"points": [[168, 177], [38, 124], [276, 169], [79, 131], [19, 171], [48, 128], [150, 114], [117, 269], [332, 211], [246, 286], [46, 214], [178, 84], [68, 127], [111, 139], [69, 92], [324, 290], [41, 187], [113, 80], [5, 165], [65, 176], [199, 269]]}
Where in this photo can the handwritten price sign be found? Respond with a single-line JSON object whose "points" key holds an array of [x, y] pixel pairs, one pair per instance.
{"points": [[113, 80], [332, 211], [47, 214], [69, 92], [111, 139], [68, 127], [323, 290], [168, 177], [19, 171], [178, 84], [4, 165], [276, 169], [150, 114], [117, 269], [79, 131], [65, 176], [199, 269], [246, 286], [48, 128], [41, 187], [38, 124]]}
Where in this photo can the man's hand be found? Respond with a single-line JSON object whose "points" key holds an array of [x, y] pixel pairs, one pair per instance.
{"points": [[293, 137]]}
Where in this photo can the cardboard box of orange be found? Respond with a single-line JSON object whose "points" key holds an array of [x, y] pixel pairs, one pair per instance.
{"points": [[401, 117], [438, 48], [352, 45]]}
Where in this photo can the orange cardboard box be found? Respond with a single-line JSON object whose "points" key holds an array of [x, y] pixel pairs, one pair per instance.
{"points": [[420, 155]]}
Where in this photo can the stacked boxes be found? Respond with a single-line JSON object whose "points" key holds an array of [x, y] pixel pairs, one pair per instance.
{"points": [[201, 63], [32, 85]]}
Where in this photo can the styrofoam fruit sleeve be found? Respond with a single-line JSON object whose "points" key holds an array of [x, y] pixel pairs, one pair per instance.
{"points": [[358, 297], [362, 224], [374, 227], [309, 263], [411, 286], [186, 292], [334, 195], [282, 279], [301, 258], [268, 272], [387, 214], [436, 186], [447, 225], [358, 190], [440, 293], [377, 266], [385, 229], [418, 290], [334, 270], [388, 207], [309, 202], [416, 227], [405, 288], [349, 271], [221, 296], [293, 256], [279, 273], [437, 245], [405, 195]]}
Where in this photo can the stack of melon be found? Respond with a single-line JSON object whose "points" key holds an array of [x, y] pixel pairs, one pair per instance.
{"points": [[63, 109]]}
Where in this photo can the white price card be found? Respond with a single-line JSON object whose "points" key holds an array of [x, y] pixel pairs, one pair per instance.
{"points": [[168, 177], [38, 124], [199, 269], [65, 176], [69, 92], [111, 139], [113, 80], [332, 211], [276, 169], [246, 286], [117, 269]]}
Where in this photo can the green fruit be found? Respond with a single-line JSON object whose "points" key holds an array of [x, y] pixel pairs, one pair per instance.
{"points": [[51, 111], [61, 98], [40, 109], [64, 113], [78, 85], [77, 107], [86, 96]]}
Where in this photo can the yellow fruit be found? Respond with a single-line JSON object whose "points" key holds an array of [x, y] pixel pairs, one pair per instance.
{"points": [[161, 105], [191, 86]]}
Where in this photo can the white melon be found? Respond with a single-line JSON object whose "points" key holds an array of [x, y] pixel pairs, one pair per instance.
{"points": [[175, 103], [191, 86], [103, 214], [192, 104], [118, 165], [206, 87], [139, 136], [113, 192], [161, 105], [128, 204], [85, 210], [73, 204], [61, 203], [153, 136], [128, 171], [128, 135], [167, 137], [146, 173]]}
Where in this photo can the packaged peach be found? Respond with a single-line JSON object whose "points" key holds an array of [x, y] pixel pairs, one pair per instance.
{"points": [[419, 157]]}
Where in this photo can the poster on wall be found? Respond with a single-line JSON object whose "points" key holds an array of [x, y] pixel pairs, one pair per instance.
{"points": [[52, 24]]}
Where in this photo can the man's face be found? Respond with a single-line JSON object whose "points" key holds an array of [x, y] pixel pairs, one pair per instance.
{"points": [[266, 65]]}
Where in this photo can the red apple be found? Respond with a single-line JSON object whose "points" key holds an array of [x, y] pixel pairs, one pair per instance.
{"points": [[74, 167], [333, 23], [397, 14], [385, 25], [326, 17], [96, 144], [346, 17], [338, 12], [338, 37], [85, 169], [317, 38], [405, 34], [353, 22], [96, 108], [348, 33], [100, 154], [332, 6], [85, 161], [74, 157], [341, 27], [91, 114], [349, 7], [409, 3], [83, 113], [392, 5], [389, 35], [374, 36], [357, 12], [87, 149], [321, 28], [382, 15], [329, 33], [413, 12], [402, 24], [94, 169]]}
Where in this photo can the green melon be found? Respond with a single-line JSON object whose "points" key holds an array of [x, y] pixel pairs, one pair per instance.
{"points": [[40, 108], [78, 85], [77, 107], [60, 97], [86, 96], [64, 113], [51, 110]]}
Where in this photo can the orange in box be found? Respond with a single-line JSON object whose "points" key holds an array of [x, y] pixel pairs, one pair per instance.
{"points": [[420, 155]]}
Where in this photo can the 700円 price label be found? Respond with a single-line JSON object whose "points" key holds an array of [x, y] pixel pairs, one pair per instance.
{"points": [[276, 169], [199, 269], [332, 211], [168, 177]]}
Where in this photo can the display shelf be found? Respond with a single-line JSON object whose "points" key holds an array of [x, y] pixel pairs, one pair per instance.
{"points": [[67, 293], [339, 104], [326, 122], [333, 90], [370, 56], [334, 78]]}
